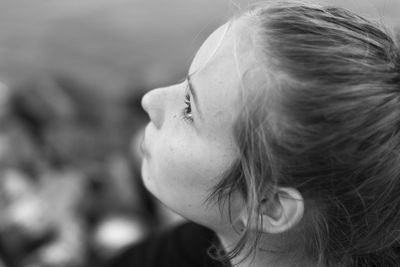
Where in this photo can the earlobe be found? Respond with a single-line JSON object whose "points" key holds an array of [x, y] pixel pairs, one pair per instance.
{"points": [[282, 212]]}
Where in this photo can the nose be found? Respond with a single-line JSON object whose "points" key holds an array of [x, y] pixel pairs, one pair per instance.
{"points": [[153, 103]]}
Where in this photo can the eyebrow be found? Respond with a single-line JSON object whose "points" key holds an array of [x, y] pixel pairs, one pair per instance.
{"points": [[193, 93]]}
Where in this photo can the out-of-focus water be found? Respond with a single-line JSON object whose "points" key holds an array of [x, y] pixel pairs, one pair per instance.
{"points": [[121, 43]]}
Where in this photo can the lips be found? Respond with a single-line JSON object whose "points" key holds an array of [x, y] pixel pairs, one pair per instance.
{"points": [[142, 147]]}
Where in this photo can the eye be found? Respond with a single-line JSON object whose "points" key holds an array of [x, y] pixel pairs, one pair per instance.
{"points": [[187, 111]]}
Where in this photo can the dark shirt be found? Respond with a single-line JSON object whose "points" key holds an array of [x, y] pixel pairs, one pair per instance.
{"points": [[183, 246]]}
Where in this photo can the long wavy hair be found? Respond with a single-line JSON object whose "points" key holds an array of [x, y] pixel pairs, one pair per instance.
{"points": [[321, 113]]}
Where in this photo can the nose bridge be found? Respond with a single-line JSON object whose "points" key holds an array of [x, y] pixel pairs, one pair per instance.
{"points": [[153, 102]]}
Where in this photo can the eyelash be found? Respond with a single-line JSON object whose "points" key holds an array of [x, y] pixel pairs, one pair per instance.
{"points": [[187, 111]]}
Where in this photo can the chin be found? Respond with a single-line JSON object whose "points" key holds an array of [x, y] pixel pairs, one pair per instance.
{"points": [[145, 175]]}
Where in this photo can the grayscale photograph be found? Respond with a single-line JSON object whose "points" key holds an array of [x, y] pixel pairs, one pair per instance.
{"points": [[199, 133]]}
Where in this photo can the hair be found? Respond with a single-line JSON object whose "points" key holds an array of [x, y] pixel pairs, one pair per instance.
{"points": [[325, 120]]}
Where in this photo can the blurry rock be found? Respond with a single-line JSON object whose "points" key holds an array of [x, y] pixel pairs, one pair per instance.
{"points": [[15, 184], [39, 219], [62, 191], [24, 223], [56, 255], [29, 216], [25, 210], [116, 233], [68, 250]]}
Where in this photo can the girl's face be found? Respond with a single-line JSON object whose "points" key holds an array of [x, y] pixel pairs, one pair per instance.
{"points": [[189, 141]]}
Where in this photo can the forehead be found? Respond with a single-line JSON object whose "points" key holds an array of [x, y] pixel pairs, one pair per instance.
{"points": [[210, 47], [217, 74], [227, 43]]}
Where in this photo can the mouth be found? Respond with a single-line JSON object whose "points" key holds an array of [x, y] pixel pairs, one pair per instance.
{"points": [[142, 147]]}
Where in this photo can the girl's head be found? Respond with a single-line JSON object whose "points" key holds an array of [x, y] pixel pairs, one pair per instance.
{"points": [[287, 128]]}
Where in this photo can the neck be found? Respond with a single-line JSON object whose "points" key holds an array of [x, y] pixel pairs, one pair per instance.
{"points": [[266, 255]]}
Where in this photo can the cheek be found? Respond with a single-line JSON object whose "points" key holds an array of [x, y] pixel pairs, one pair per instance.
{"points": [[187, 163], [185, 169]]}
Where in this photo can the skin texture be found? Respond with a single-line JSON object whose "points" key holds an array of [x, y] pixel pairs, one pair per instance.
{"points": [[183, 160]]}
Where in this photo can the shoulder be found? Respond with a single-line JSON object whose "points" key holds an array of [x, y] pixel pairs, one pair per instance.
{"points": [[183, 245]]}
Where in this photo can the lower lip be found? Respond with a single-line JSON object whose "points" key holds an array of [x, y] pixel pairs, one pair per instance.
{"points": [[143, 148]]}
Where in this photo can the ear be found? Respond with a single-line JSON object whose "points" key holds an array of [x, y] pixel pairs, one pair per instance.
{"points": [[282, 212]]}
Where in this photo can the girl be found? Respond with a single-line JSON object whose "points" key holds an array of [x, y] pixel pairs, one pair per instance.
{"points": [[283, 141]]}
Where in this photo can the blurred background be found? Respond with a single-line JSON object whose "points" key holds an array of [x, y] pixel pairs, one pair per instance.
{"points": [[73, 73]]}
